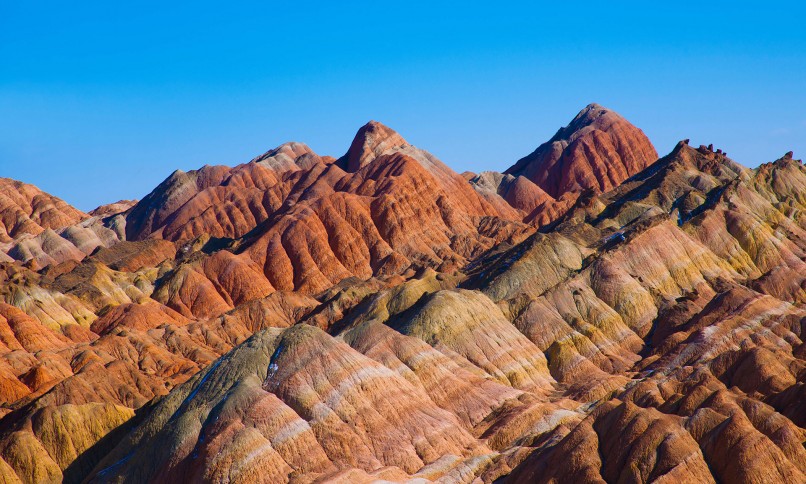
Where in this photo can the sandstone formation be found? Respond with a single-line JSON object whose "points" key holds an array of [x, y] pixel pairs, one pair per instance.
{"points": [[24, 209], [291, 220], [599, 149], [41, 230], [593, 315]]}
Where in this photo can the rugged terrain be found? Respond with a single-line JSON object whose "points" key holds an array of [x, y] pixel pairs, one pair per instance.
{"points": [[592, 314]]}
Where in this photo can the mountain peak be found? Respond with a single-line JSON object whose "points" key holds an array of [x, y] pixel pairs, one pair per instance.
{"points": [[592, 110], [593, 116], [370, 141], [598, 149]]}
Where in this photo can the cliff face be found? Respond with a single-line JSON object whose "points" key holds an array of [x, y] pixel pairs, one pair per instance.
{"points": [[380, 317]]}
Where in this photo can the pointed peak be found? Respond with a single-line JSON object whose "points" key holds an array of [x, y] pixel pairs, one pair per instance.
{"points": [[597, 149], [375, 130], [592, 108], [592, 111], [680, 146], [373, 125], [594, 115], [371, 141], [788, 160]]}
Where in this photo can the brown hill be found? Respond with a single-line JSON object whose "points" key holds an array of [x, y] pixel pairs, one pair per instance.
{"points": [[25, 209], [304, 223]]}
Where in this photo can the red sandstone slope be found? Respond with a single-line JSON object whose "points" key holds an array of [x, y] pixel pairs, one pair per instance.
{"points": [[218, 200], [599, 149], [229, 202]]}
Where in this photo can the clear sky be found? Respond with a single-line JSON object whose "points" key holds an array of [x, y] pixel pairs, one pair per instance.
{"points": [[100, 101]]}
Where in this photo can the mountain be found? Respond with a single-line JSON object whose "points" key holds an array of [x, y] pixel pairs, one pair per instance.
{"points": [[377, 316], [599, 149], [307, 222], [25, 209], [40, 229]]}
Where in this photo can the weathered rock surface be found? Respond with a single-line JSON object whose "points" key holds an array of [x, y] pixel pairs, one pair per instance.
{"points": [[291, 220], [41, 230]]}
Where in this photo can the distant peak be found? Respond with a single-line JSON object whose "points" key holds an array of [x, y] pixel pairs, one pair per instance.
{"points": [[591, 115], [371, 140], [597, 149], [592, 108], [288, 156], [787, 159], [291, 149], [373, 125]]}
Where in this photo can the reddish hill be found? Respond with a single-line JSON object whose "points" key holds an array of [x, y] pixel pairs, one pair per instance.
{"points": [[25, 209], [599, 149], [41, 230], [378, 317], [305, 223]]}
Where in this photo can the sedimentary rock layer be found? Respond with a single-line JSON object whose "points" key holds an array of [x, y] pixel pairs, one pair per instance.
{"points": [[594, 315]]}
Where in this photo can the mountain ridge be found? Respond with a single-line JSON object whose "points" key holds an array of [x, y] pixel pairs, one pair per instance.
{"points": [[598, 149], [390, 319]]}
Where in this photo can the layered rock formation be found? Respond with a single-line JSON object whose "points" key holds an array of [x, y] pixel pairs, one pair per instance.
{"points": [[25, 209], [39, 229], [291, 220], [599, 149], [590, 316]]}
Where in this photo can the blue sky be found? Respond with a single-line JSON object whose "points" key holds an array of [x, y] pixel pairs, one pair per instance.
{"points": [[100, 101]]}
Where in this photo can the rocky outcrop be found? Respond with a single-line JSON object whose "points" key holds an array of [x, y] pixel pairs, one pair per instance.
{"points": [[371, 141]]}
